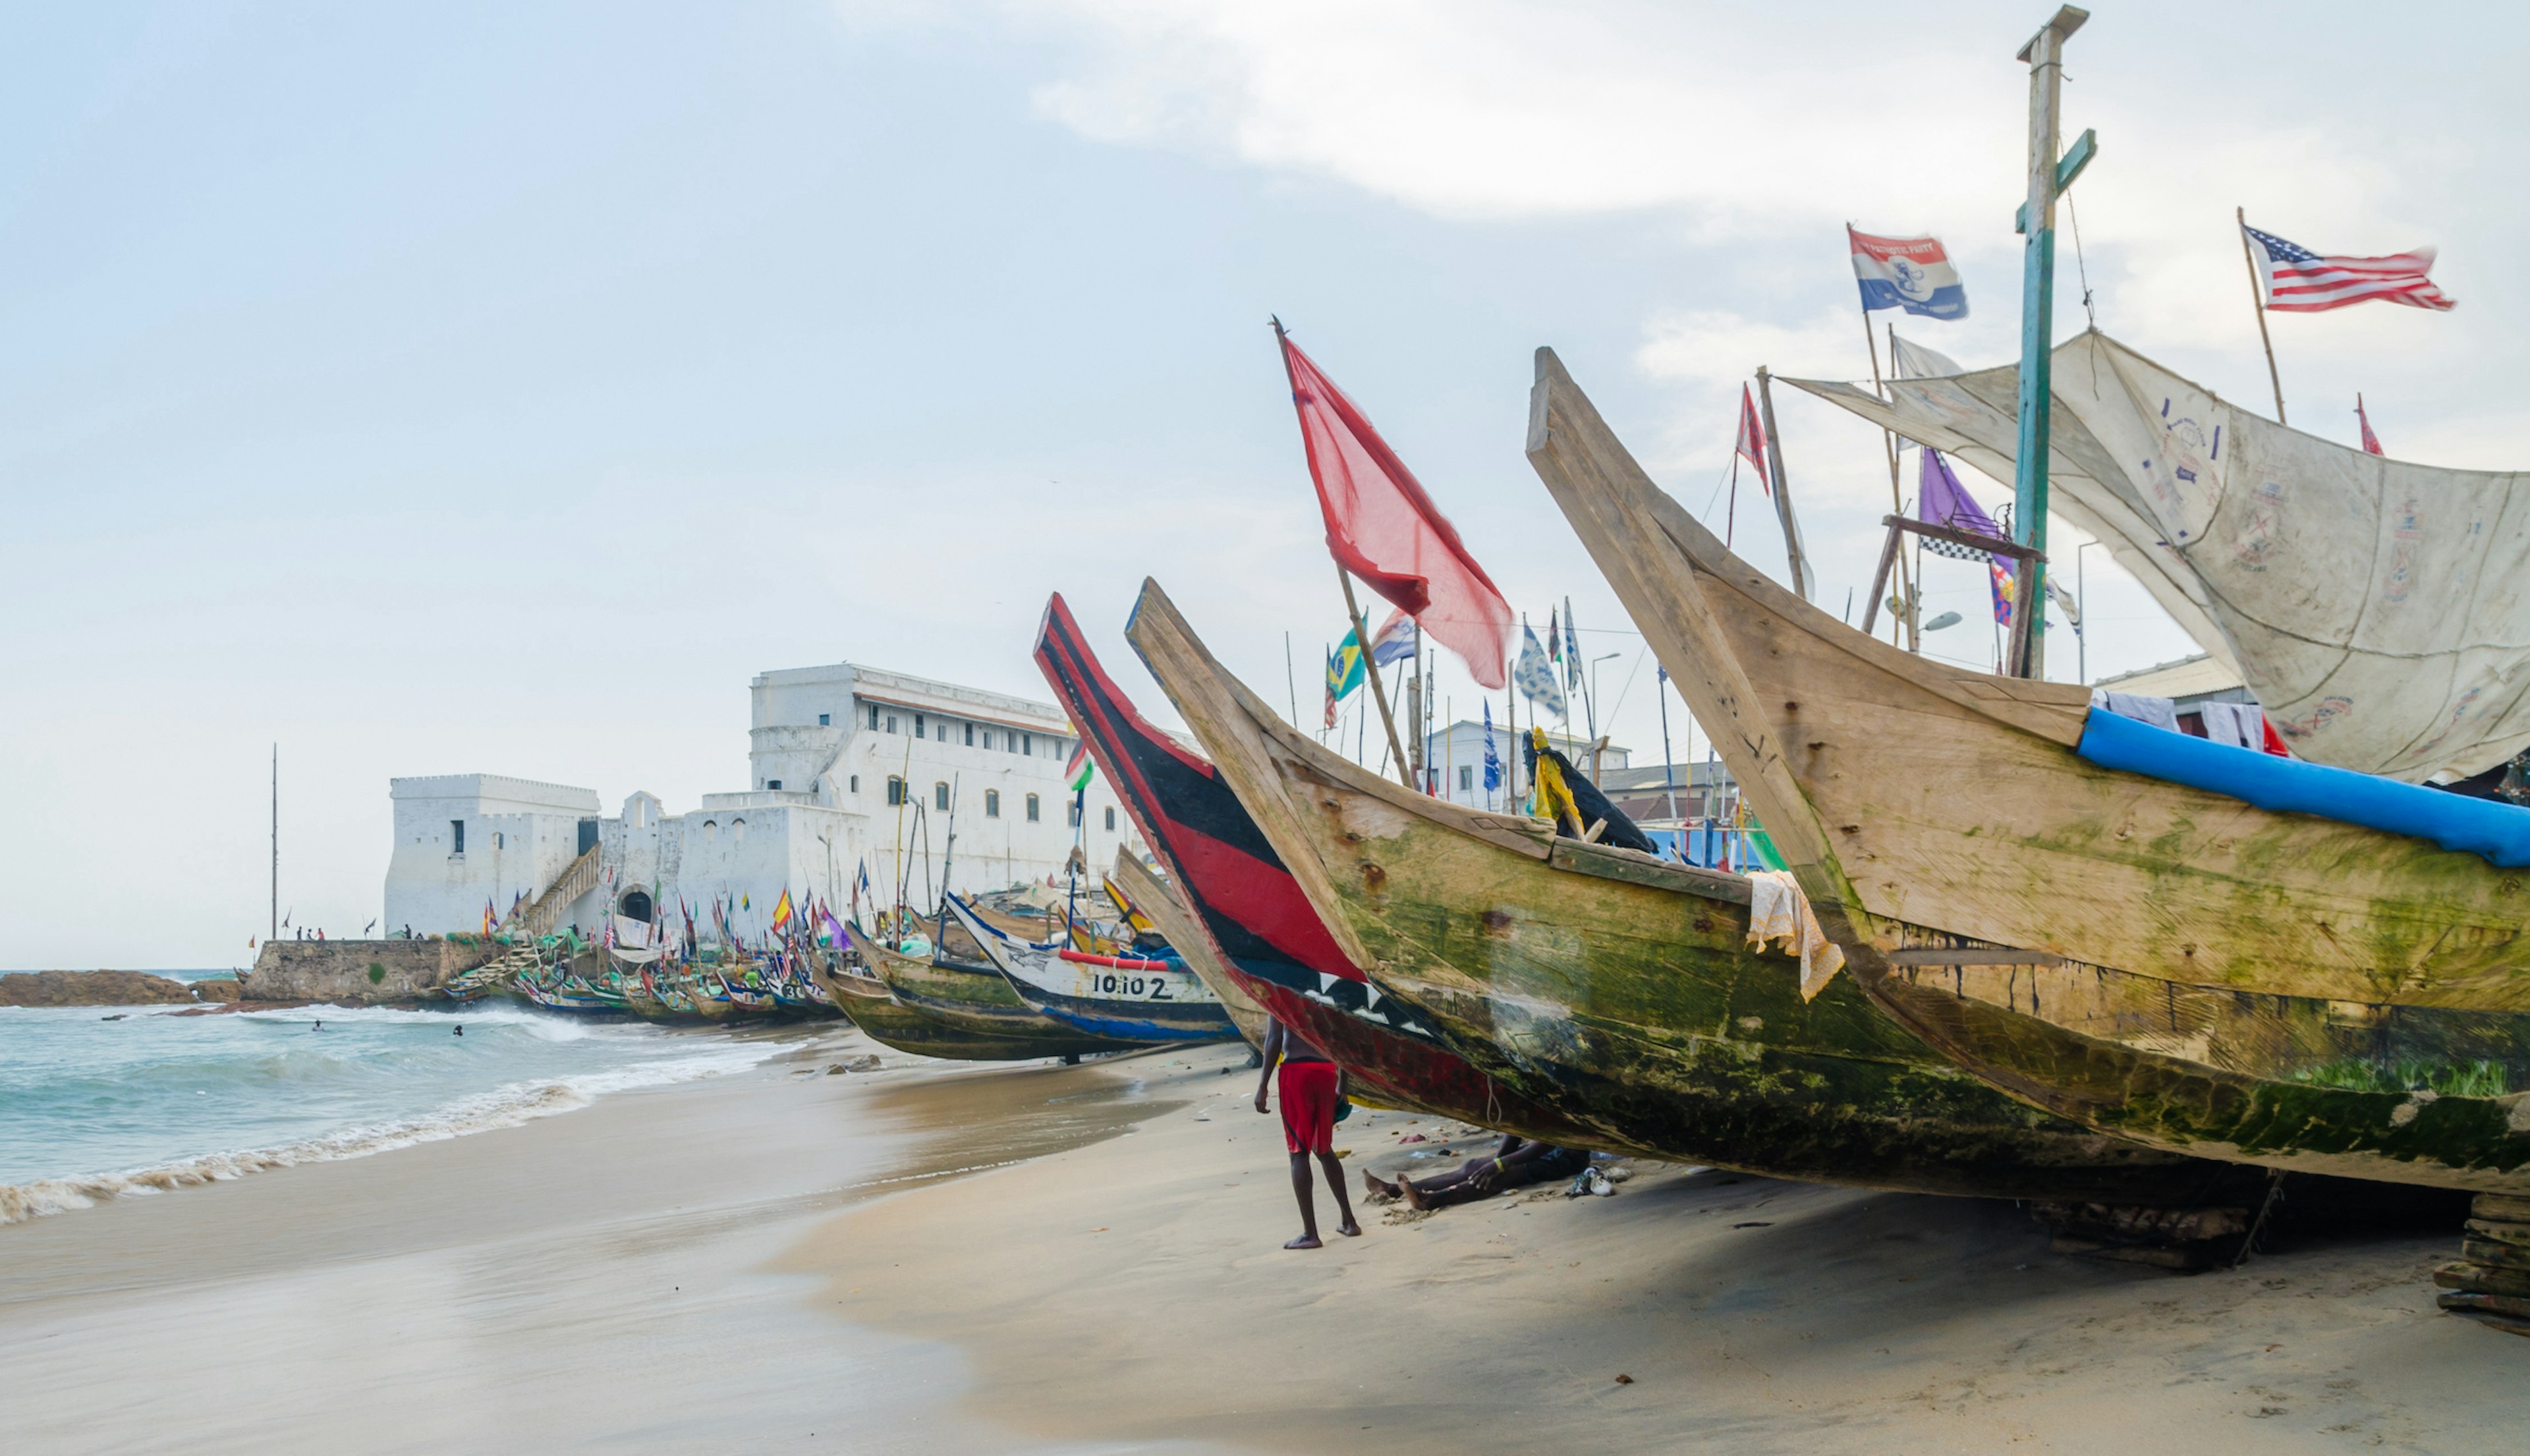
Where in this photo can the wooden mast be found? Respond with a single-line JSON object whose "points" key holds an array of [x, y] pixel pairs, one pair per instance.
{"points": [[1798, 563], [2045, 54]]}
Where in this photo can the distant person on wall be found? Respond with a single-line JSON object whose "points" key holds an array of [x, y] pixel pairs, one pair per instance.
{"points": [[1310, 1085]]}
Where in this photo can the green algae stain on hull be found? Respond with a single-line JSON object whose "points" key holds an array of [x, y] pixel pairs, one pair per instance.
{"points": [[1642, 1011]]}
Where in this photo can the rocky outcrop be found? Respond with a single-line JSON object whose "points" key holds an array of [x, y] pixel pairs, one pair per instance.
{"points": [[367, 972], [90, 989]]}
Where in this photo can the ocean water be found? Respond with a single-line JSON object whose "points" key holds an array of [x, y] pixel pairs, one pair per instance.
{"points": [[93, 1109]]}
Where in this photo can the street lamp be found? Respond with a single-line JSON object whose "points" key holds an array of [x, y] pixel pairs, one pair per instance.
{"points": [[2083, 608]]}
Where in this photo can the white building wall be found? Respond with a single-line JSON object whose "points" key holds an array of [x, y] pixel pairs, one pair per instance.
{"points": [[1454, 758], [518, 835], [816, 813]]}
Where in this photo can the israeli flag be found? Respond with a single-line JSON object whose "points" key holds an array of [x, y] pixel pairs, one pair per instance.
{"points": [[1535, 675], [1909, 273]]}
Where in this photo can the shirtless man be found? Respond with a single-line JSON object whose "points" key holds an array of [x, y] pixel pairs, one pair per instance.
{"points": [[1308, 1082], [1515, 1163]]}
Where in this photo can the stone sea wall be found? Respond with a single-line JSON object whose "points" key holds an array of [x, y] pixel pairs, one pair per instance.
{"points": [[368, 971], [91, 989]]}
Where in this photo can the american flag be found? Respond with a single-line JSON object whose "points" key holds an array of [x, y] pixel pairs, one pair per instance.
{"points": [[2299, 281]]}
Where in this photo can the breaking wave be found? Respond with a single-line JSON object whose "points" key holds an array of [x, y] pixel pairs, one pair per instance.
{"points": [[505, 1106]]}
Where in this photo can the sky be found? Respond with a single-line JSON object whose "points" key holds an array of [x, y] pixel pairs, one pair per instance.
{"points": [[498, 388]]}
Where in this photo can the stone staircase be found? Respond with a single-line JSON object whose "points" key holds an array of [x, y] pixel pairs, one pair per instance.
{"points": [[577, 878]]}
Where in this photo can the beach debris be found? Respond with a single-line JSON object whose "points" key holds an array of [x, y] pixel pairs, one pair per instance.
{"points": [[2490, 1281], [1625, 1379], [1755, 1223], [1590, 1182], [1414, 1137], [865, 1062]]}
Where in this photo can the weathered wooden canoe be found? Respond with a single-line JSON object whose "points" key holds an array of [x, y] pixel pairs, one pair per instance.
{"points": [[2161, 962], [1134, 1000], [1622, 988], [977, 1001], [890, 1022], [1258, 925], [1155, 901]]}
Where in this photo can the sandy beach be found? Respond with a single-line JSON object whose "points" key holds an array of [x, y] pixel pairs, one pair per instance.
{"points": [[1040, 1258]]}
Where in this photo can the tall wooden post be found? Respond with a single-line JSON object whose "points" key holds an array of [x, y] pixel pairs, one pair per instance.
{"points": [[1904, 626], [275, 932], [1378, 689], [2045, 54], [2258, 299], [1795, 558]]}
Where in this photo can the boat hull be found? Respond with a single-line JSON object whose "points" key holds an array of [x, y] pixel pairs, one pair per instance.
{"points": [[875, 1010], [2158, 962], [1157, 900], [1258, 926], [979, 1001], [1131, 1000], [1624, 991]]}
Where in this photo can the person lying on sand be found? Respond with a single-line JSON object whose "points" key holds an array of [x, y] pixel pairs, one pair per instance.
{"points": [[1310, 1085], [1516, 1163]]}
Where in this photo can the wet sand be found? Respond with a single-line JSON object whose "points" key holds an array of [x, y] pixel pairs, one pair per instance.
{"points": [[597, 1281], [1040, 1259]]}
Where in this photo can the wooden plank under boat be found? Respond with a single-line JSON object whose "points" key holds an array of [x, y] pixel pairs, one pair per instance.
{"points": [[2156, 961], [869, 1005], [1258, 924], [1622, 988], [1156, 900], [1132, 998], [979, 1001]]}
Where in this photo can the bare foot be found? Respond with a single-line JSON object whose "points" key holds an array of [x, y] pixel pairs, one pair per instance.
{"points": [[1406, 1190], [1377, 1188], [1306, 1241], [1349, 1229]]}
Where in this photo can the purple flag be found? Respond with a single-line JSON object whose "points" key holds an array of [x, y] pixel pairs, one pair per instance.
{"points": [[1942, 500]]}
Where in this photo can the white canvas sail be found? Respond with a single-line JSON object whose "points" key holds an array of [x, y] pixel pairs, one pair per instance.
{"points": [[2376, 608]]}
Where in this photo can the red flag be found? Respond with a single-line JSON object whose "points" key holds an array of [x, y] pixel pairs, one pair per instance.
{"points": [[1752, 438], [1383, 528], [2371, 442]]}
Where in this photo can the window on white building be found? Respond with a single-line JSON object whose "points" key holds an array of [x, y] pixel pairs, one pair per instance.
{"points": [[991, 803], [737, 830], [1466, 780], [825, 719], [1111, 815], [856, 783], [891, 722], [773, 784], [874, 717], [1032, 808], [918, 725], [1027, 745], [894, 790], [711, 831], [970, 735], [940, 797], [456, 832]]}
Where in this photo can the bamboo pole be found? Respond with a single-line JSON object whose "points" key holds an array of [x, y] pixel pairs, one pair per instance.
{"points": [[2258, 301], [1799, 565], [1378, 689], [1897, 493]]}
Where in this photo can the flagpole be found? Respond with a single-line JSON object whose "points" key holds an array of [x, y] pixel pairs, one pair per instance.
{"points": [[2258, 301], [275, 932], [1378, 690], [1800, 568], [1888, 443]]}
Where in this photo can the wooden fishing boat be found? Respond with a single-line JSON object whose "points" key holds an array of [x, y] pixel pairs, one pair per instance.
{"points": [[2147, 957], [1155, 902], [869, 1005], [1259, 926], [979, 1001], [1132, 998], [1622, 989]]}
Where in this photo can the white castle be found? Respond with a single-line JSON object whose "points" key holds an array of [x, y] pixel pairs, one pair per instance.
{"points": [[853, 769]]}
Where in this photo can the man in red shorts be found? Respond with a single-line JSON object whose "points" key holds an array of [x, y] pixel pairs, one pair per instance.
{"points": [[1309, 1084]]}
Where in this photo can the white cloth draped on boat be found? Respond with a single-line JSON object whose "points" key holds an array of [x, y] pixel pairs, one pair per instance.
{"points": [[1777, 908], [2376, 608]]}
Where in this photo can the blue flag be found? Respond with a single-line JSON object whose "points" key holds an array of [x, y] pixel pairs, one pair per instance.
{"points": [[1571, 649], [1534, 676], [1493, 758]]}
